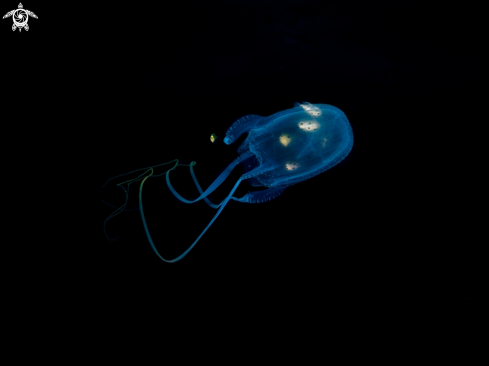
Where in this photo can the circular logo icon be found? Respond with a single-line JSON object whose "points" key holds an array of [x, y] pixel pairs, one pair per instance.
{"points": [[20, 17]]}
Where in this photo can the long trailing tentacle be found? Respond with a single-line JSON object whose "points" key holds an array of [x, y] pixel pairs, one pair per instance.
{"points": [[126, 191], [196, 240]]}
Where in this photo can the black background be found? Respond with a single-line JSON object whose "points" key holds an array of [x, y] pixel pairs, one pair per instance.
{"points": [[89, 94]]}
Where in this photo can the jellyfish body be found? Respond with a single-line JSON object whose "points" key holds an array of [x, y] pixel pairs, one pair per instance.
{"points": [[285, 148]]}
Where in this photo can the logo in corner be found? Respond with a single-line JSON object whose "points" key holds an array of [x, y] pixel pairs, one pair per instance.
{"points": [[20, 17]]}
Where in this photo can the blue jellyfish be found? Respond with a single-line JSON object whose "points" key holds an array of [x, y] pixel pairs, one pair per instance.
{"points": [[285, 148]]}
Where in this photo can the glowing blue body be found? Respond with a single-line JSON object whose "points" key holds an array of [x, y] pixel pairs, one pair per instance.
{"points": [[285, 148]]}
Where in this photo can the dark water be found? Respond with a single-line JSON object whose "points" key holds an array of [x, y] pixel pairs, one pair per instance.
{"points": [[133, 86]]}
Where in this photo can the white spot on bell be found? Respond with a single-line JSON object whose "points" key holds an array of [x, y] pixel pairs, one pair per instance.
{"points": [[290, 165], [309, 125], [311, 110]]}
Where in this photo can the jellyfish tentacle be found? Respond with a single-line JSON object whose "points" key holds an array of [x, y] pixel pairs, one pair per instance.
{"points": [[242, 199], [240, 126], [126, 191], [213, 186], [226, 200], [201, 191], [265, 195]]}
